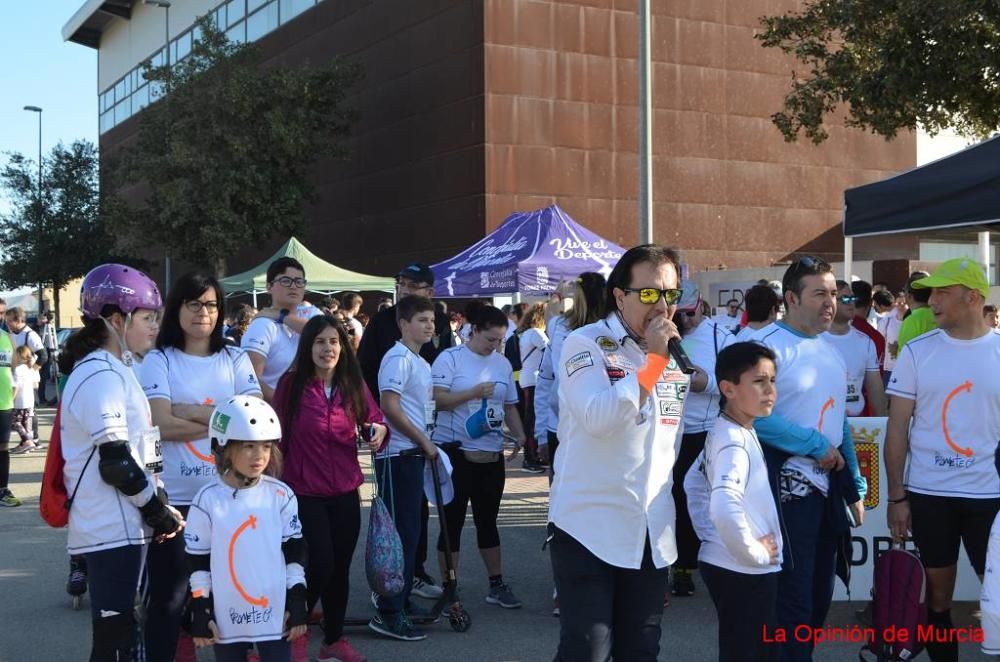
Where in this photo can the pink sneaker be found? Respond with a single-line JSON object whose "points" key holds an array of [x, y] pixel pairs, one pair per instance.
{"points": [[300, 648], [185, 649], [339, 651]]}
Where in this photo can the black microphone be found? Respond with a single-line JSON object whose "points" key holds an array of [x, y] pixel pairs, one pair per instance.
{"points": [[680, 356]]}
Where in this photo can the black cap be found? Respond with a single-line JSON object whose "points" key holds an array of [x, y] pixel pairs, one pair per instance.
{"points": [[418, 273]]}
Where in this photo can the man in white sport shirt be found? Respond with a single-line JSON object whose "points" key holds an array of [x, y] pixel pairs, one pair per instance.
{"points": [[611, 511], [864, 379], [272, 338], [808, 444], [947, 383]]}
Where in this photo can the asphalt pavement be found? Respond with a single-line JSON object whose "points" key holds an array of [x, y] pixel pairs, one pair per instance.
{"points": [[40, 624]]}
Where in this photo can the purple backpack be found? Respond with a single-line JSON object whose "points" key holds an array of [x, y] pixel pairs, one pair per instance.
{"points": [[384, 551], [899, 603]]}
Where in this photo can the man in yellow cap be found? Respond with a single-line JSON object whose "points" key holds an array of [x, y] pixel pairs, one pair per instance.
{"points": [[947, 382]]}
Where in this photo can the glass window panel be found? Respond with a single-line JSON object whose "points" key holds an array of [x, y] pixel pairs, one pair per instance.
{"points": [[195, 34], [254, 4], [234, 11], [262, 22], [120, 90], [220, 17], [238, 33], [140, 99], [155, 91], [122, 111], [183, 46], [104, 101], [939, 251], [107, 120], [156, 59], [127, 84], [292, 8]]}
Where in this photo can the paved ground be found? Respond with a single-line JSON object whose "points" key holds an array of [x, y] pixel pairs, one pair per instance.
{"points": [[38, 623]]}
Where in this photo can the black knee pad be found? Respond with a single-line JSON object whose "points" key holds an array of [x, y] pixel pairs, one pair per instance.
{"points": [[114, 638]]}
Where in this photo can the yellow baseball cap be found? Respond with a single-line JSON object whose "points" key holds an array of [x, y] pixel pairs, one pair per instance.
{"points": [[957, 271]]}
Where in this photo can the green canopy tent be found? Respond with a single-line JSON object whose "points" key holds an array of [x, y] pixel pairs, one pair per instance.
{"points": [[323, 277]]}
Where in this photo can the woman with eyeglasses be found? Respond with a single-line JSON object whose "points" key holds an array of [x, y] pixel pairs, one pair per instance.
{"points": [[273, 336], [189, 372], [475, 396], [326, 410]]}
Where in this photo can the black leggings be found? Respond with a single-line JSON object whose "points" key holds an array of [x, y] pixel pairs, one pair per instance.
{"points": [[482, 484], [330, 526], [687, 540], [6, 421], [113, 579], [166, 593]]}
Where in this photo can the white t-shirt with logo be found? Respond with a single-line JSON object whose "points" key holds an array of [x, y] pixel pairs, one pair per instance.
{"points": [[102, 403], [29, 337], [955, 386], [858, 352], [730, 501], [243, 531], [889, 327], [26, 380], [531, 343], [459, 369], [186, 379], [812, 390], [408, 374], [275, 342]]}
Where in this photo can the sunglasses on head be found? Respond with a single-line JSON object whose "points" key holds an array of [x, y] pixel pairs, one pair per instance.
{"points": [[651, 295]]}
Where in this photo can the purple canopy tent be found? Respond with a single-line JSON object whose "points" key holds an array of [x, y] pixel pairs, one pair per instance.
{"points": [[530, 253]]}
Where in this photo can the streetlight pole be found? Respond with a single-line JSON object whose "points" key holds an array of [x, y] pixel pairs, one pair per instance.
{"points": [[645, 127], [36, 109], [165, 5]]}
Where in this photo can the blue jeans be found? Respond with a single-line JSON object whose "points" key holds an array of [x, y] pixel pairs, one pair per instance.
{"points": [[805, 584], [406, 476]]}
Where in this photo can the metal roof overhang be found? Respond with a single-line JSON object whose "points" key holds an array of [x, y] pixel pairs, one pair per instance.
{"points": [[87, 24]]}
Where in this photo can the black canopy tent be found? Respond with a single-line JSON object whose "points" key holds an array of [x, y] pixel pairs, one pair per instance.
{"points": [[959, 190]]}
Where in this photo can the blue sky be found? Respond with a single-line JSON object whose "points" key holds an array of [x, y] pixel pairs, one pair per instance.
{"points": [[40, 69]]}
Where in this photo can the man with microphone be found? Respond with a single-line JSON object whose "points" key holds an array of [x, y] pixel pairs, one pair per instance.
{"points": [[611, 513]]}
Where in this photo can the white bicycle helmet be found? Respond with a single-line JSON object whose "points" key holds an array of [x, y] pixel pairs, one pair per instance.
{"points": [[243, 418]]}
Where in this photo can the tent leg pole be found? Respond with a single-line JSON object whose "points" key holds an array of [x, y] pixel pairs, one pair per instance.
{"points": [[848, 258], [984, 254], [255, 298]]}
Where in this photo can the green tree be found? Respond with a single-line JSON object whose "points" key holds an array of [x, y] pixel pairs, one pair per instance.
{"points": [[221, 161], [896, 65], [60, 237]]}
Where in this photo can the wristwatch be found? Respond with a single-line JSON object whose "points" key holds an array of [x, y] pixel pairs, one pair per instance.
{"points": [[282, 314]]}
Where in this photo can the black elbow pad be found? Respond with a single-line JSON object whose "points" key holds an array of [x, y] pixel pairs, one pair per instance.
{"points": [[119, 469], [294, 550]]}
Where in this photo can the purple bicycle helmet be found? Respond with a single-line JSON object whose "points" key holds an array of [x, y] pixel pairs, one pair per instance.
{"points": [[117, 285]]}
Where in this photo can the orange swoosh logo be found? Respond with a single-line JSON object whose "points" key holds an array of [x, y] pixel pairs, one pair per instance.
{"points": [[964, 386], [822, 412], [262, 600], [194, 451]]}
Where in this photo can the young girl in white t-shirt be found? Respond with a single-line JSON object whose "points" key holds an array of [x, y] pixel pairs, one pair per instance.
{"points": [[244, 543], [733, 510], [26, 382]]}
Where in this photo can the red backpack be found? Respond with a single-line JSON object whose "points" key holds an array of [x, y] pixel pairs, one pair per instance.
{"points": [[55, 502], [899, 604]]}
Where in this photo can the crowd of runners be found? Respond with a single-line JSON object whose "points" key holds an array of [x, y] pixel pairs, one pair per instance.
{"points": [[212, 464]]}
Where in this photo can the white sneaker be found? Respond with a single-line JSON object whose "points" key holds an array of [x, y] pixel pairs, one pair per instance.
{"points": [[424, 590]]}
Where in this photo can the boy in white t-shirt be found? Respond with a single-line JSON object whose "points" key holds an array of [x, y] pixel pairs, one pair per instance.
{"points": [[732, 507], [26, 380], [407, 400]]}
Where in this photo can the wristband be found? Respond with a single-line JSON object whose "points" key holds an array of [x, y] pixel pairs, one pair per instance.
{"points": [[650, 373], [900, 500]]}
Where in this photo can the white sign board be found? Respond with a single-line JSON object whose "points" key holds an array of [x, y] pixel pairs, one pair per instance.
{"points": [[872, 538]]}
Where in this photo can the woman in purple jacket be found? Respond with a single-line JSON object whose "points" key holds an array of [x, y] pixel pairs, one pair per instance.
{"points": [[325, 407]]}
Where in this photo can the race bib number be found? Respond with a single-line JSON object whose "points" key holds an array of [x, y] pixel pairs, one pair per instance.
{"points": [[494, 413], [5, 359], [853, 392], [150, 452], [430, 415]]}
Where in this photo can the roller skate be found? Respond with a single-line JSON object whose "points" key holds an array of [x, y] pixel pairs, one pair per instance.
{"points": [[76, 585]]}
